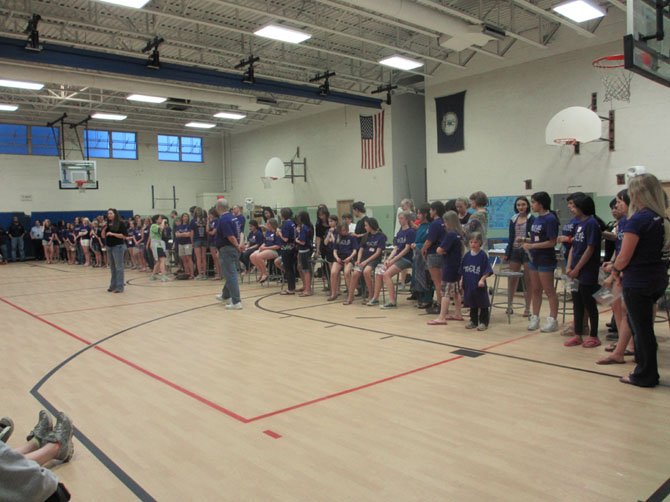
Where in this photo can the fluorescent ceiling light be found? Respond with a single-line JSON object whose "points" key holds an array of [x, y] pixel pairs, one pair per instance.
{"points": [[401, 62], [16, 84], [230, 115], [135, 4], [108, 116], [200, 125], [146, 99], [8, 108], [283, 34], [579, 10]]}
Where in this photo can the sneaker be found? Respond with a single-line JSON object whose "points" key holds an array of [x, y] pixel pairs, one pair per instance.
{"points": [[533, 323], [372, 303], [433, 309], [388, 306], [549, 325], [482, 327], [62, 434], [222, 298], [6, 428], [153, 277], [470, 325], [234, 306], [42, 429], [163, 278]]}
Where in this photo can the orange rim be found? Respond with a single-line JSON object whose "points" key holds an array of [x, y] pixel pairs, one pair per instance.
{"points": [[607, 62], [565, 141]]}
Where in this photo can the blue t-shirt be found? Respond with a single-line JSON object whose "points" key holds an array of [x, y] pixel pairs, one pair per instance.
{"points": [[288, 232], [543, 229], [345, 245], [435, 234], [186, 227], [646, 268], [241, 222], [374, 242], [255, 237], [452, 244], [404, 237], [568, 230], [587, 233], [305, 235], [48, 234], [211, 239], [226, 228], [620, 225], [472, 269], [199, 229], [271, 239]]}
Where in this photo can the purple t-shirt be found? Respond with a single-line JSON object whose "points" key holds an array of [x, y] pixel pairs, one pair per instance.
{"points": [[646, 268], [620, 225], [472, 269], [587, 233], [226, 228], [543, 229], [374, 242], [183, 228], [404, 237], [435, 234], [255, 237], [452, 244], [199, 229], [305, 235], [271, 239], [346, 245], [568, 230], [288, 232]]}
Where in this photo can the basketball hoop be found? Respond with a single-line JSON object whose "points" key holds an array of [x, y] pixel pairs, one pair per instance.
{"points": [[615, 78], [565, 141], [81, 185]]}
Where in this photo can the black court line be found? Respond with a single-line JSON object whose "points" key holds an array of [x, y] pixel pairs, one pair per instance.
{"points": [[117, 471], [371, 317], [661, 494], [331, 326], [444, 344], [385, 337], [50, 268]]}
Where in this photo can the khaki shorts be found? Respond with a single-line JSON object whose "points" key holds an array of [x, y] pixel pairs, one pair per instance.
{"points": [[185, 249]]}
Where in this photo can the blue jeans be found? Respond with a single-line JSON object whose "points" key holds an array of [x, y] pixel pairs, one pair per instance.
{"points": [[18, 242], [229, 257], [116, 265], [4, 250]]}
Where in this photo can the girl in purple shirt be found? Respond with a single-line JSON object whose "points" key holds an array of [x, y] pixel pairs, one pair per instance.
{"points": [[344, 253], [212, 219], [369, 256], [268, 250]]}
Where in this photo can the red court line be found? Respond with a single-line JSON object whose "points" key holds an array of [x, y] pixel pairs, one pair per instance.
{"points": [[272, 434], [125, 304], [353, 389]]}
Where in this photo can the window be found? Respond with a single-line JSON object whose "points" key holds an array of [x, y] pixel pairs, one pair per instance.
{"points": [[111, 144], [14, 139], [180, 148], [44, 140]]}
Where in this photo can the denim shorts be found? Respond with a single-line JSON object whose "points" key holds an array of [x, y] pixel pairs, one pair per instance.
{"points": [[541, 268], [434, 260], [199, 243], [305, 261], [403, 263], [518, 255]]}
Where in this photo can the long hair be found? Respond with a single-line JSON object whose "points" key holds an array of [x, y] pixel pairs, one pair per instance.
{"points": [[303, 218], [525, 199], [115, 224], [453, 223], [645, 191]]}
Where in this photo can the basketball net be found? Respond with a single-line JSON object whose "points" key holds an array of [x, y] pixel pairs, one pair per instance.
{"points": [[81, 185], [614, 77], [267, 181]]}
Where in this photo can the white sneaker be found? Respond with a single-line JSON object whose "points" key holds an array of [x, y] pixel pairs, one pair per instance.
{"points": [[533, 322], [234, 306], [222, 299], [549, 325]]}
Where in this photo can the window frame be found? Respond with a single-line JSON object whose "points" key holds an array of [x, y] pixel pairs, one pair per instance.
{"points": [[180, 145]]}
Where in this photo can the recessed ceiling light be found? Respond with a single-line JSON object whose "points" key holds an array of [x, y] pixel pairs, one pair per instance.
{"points": [[108, 116], [200, 125], [579, 10], [401, 62], [283, 33], [8, 108], [146, 99], [135, 4], [17, 84], [230, 115]]}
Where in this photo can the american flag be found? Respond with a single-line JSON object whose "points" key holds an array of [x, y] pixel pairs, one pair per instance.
{"points": [[372, 141]]}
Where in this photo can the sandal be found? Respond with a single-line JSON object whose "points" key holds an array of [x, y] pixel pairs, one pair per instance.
{"points": [[286, 292], [609, 360], [628, 352], [574, 341], [303, 294], [437, 322], [610, 348], [451, 317], [591, 342], [331, 298], [347, 302]]}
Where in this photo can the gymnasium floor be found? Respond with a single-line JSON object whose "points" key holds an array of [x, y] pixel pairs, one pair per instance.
{"points": [[175, 398]]}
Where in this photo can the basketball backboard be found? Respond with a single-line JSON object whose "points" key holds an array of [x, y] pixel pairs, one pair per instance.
{"points": [[647, 43], [71, 171]]}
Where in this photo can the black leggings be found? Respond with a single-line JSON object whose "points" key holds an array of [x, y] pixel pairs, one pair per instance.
{"points": [[479, 315], [583, 299], [288, 262]]}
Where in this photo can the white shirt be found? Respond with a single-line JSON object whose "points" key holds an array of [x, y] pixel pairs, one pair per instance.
{"points": [[37, 232]]}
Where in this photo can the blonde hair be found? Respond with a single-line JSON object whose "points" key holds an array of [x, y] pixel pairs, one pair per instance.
{"points": [[453, 223], [406, 215], [645, 191], [407, 202]]}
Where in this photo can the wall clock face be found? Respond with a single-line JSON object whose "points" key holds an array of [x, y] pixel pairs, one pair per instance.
{"points": [[449, 123]]}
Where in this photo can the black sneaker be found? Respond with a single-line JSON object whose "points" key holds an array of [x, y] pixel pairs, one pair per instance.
{"points": [[412, 297]]}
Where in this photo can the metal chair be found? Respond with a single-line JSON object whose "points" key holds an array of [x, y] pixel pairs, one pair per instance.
{"points": [[508, 304]]}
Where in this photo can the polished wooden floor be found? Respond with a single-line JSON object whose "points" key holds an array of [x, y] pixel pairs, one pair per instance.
{"points": [[176, 398]]}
